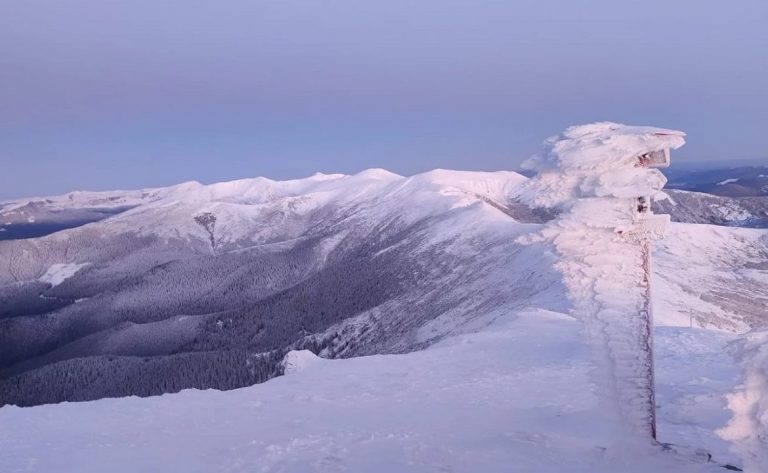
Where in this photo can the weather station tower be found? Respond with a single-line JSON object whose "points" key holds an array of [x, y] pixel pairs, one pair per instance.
{"points": [[645, 228], [600, 179]]}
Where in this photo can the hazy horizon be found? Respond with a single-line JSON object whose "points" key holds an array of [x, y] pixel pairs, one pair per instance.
{"points": [[105, 95]]}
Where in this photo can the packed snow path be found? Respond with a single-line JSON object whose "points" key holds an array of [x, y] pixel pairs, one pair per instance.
{"points": [[603, 275]]}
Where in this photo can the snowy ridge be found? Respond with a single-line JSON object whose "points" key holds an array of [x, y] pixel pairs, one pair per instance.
{"points": [[259, 211], [711, 276], [241, 206], [696, 207]]}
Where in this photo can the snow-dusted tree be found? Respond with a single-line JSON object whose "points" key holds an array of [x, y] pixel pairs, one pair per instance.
{"points": [[207, 220]]}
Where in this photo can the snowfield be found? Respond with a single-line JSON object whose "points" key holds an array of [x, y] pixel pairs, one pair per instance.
{"points": [[60, 272], [516, 396]]}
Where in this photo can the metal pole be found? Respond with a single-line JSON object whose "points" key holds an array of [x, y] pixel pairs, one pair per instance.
{"points": [[648, 335]]}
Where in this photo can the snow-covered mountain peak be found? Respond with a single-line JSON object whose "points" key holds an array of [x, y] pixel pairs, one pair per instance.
{"points": [[187, 186], [321, 176], [378, 173], [469, 180]]}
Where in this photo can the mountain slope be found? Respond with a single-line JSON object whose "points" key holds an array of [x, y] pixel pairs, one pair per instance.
{"points": [[290, 260], [696, 207], [721, 180]]}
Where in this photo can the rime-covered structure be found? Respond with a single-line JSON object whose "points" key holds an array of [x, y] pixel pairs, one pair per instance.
{"points": [[602, 178]]}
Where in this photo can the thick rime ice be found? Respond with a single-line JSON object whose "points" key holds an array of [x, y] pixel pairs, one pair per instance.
{"points": [[597, 160], [296, 361], [595, 174], [603, 274], [748, 430]]}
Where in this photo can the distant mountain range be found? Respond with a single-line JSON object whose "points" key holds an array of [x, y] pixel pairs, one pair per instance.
{"points": [[741, 181]]}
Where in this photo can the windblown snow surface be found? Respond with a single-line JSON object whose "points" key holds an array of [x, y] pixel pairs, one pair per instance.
{"points": [[545, 380], [515, 396]]}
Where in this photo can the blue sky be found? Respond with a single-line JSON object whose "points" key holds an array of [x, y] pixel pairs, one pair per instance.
{"points": [[102, 94]]}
